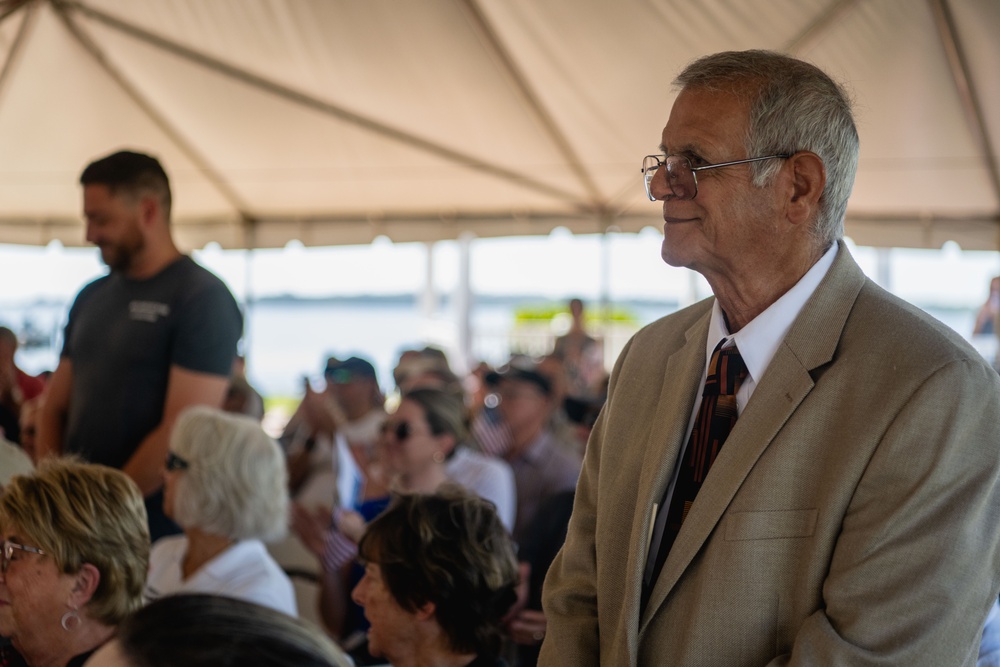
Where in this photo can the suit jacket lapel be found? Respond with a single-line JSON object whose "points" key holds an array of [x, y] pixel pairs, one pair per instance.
{"points": [[668, 427], [810, 343]]}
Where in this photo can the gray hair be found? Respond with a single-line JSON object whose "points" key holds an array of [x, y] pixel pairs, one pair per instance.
{"points": [[236, 481], [794, 106]]}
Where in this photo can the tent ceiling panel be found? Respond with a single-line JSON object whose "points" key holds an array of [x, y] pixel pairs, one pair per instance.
{"points": [[917, 151], [335, 122], [48, 132], [393, 63], [977, 24], [278, 155]]}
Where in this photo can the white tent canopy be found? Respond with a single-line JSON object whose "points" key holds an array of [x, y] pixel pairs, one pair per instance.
{"points": [[333, 122]]}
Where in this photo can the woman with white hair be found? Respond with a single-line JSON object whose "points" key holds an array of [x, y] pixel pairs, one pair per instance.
{"points": [[226, 486]]}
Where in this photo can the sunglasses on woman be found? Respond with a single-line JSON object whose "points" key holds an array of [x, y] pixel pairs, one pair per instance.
{"points": [[175, 462]]}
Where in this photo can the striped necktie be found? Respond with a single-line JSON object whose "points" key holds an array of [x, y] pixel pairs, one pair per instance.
{"points": [[716, 418]]}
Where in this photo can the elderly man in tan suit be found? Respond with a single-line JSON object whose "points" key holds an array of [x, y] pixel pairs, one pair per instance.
{"points": [[844, 508]]}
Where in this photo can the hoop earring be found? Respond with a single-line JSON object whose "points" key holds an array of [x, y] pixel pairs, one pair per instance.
{"points": [[70, 620], [438, 457]]}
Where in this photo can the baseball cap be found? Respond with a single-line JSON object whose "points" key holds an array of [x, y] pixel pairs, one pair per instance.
{"points": [[352, 368], [524, 374]]}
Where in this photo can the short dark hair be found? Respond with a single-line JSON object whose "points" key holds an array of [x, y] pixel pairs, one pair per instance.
{"points": [[200, 630], [449, 549], [130, 173]]}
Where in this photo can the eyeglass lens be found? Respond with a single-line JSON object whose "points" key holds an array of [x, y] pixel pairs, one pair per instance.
{"points": [[680, 177]]}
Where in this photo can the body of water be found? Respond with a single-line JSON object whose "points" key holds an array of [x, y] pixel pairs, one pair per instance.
{"points": [[287, 339]]}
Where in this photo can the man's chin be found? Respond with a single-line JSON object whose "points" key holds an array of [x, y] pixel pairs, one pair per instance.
{"points": [[671, 257], [113, 260]]}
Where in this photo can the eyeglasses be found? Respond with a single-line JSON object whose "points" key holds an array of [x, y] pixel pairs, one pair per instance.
{"points": [[681, 176], [402, 430], [175, 462], [8, 552]]}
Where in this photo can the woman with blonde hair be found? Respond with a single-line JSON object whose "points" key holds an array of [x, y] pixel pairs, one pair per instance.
{"points": [[226, 486], [74, 557]]}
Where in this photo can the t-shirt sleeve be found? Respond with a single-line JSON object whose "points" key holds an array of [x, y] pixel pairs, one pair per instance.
{"points": [[209, 326]]}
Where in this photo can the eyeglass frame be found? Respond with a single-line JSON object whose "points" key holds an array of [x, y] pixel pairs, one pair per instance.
{"points": [[403, 430], [649, 172], [7, 552], [174, 462]]}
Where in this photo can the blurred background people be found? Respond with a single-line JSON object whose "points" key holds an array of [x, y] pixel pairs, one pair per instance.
{"points": [[439, 577], [426, 367], [16, 387], [74, 557], [988, 312], [424, 445], [329, 429], [544, 537], [13, 461], [542, 462], [526, 623], [198, 630], [988, 319], [30, 410], [582, 355], [226, 486], [241, 397]]}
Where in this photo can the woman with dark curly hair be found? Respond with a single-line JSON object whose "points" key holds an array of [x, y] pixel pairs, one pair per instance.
{"points": [[439, 577]]}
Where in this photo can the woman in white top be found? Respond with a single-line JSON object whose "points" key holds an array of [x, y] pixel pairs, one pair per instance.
{"points": [[225, 485]]}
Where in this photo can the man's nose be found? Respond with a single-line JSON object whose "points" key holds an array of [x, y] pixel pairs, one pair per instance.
{"points": [[658, 186]]}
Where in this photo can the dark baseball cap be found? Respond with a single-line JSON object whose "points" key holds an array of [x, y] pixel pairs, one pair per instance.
{"points": [[352, 368], [523, 375]]}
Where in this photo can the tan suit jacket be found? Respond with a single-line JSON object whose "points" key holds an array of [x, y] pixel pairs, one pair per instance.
{"points": [[850, 519]]}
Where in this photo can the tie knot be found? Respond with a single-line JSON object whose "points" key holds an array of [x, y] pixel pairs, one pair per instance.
{"points": [[726, 371]]}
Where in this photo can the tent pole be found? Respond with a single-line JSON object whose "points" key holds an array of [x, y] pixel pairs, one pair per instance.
{"points": [[883, 268], [605, 297], [428, 299], [463, 305], [248, 292]]}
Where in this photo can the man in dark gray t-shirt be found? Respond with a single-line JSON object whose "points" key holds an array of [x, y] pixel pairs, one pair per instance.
{"points": [[154, 336]]}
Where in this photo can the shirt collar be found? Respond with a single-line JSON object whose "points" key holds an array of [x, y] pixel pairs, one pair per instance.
{"points": [[758, 341]]}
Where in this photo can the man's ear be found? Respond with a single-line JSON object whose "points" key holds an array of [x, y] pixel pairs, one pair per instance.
{"points": [[149, 210], [808, 182], [84, 586]]}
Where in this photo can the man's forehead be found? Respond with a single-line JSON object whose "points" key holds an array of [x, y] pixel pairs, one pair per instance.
{"points": [[704, 122], [97, 191]]}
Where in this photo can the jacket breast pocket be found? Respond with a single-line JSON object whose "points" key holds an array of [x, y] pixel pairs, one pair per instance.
{"points": [[770, 525]]}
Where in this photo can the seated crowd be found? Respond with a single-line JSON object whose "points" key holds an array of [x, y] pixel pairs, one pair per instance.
{"points": [[436, 438], [395, 502]]}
